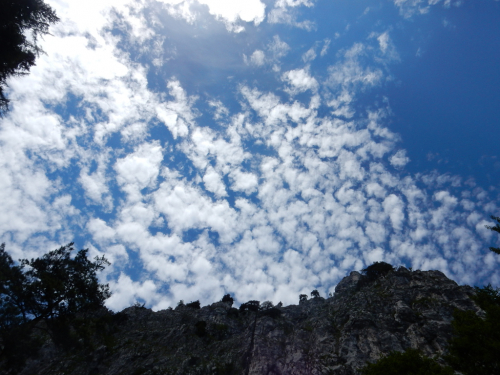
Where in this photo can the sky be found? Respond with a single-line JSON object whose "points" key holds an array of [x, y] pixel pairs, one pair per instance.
{"points": [[261, 148]]}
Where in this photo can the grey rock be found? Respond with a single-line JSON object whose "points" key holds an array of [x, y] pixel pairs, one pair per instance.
{"points": [[338, 335]]}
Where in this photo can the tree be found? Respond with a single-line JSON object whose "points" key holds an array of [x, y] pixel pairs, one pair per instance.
{"points": [[22, 23], [48, 287], [496, 228], [12, 292], [52, 288], [315, 293], [377, 269], [475, 345], [228, 299], [250, 306], [302, 298]]}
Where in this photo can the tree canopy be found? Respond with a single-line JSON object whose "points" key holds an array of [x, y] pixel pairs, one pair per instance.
{"points": [[53, 285], [22, 23]]}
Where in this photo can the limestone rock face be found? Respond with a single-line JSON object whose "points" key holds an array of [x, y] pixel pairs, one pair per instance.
{"points": [[361, 322]]}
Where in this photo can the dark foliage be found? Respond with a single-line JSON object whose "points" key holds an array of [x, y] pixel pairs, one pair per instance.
{"points": [[233, 312], [250, 306], [201, 328], [476, 343], [273, 312], [410, 362], [58, 284], [52, 288], [194, 305], [266, 305], [496, 228], [315, 293], [18, 345], [487, 297], [377, 270], [12, 292], [302, 298], [228, 299], [22, 23]]}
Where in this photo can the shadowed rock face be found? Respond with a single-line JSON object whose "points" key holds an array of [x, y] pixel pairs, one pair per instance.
{"points": [[338, 335]]}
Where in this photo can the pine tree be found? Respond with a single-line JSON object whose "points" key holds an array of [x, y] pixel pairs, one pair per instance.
{"points": [[22, 23]]}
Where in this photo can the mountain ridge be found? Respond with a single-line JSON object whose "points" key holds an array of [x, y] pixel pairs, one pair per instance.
{"points": [[366, 319]]}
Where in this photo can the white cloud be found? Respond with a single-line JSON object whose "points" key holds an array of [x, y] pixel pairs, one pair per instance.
{"points": [[399, 159], [383, 40], [294, 199], [284, 12], [278, 47], [246, 182], [325, 48], [300, 80], [408, 8], [213, 182], [350, 73], [126, 292], [140, 169], [177, 115], [258, 58], [220, 110], [232, 13], [393, 207], [309, 56]]}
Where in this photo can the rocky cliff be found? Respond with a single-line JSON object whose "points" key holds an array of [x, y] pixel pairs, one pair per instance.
{"points": [[364, 320]]}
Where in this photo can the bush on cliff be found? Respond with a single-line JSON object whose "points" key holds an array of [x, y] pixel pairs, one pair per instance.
{"points": [[476, 343], [410, 362]]}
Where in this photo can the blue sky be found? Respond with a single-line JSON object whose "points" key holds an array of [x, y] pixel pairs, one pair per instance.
{"points": [[260, 148]]}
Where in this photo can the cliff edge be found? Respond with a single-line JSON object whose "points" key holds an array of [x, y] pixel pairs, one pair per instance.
{"points": [[365, 319]]}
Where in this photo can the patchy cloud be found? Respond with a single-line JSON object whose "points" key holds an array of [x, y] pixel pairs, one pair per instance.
{"points": [[262, 186]]}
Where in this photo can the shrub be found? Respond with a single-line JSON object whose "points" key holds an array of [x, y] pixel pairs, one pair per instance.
{"points": [[228, 299], [315, 293], [376, 270], [201, 328], [476, 343], [410, 362], [250, 306], [194, 305], [266, 305], [273, 312], [302, 298]]}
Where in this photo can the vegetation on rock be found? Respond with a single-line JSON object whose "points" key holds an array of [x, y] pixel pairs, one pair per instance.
{"points": [[409, 362], [475, 347], [377, 312]]}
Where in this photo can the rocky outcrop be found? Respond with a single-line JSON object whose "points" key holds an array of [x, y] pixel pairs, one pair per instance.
{"points": [[361, 322]]}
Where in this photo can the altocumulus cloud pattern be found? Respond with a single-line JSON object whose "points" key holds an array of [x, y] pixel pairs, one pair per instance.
{"points": [[244, 147]]}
